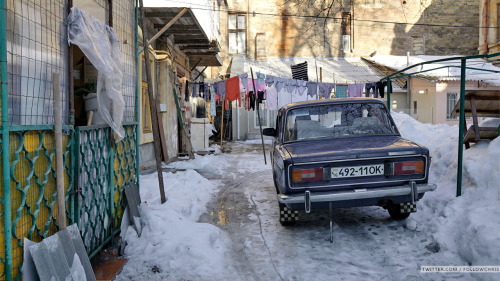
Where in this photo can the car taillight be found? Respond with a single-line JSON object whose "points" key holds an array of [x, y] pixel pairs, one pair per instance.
{"points": [[303, 175], [408, 168]]}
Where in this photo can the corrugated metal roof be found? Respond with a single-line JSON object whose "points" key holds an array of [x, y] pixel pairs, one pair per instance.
{"points": [[335, 70], [445, 74]]}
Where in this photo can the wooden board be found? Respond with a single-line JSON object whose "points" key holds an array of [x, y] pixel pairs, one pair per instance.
{"points": [[163, 144], [487, 104]]}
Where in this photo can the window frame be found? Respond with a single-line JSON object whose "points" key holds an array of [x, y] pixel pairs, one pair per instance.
{"points": [[263, 111], [236, 31], [449, 106]]}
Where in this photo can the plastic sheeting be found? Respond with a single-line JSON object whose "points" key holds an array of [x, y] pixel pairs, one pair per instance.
{"points": [[100, 44]]}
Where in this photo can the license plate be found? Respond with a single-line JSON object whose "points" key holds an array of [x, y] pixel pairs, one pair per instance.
{"points": [[357, 171]]}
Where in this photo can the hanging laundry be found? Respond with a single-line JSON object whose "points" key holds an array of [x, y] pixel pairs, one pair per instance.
{"points": [[300, 93], [284, 97], [261, 77], [206, 91], [195, 92], [312, 90], [201, 89], [261, 87], [279, 83], [213, 106], [252, 99], [271, 93], [341, 91], [299, 71], [260, 98], [380, 88], [290, 85], [232, 90], [220, 89], [355, 90], [243, 82], [325, 89], [371, 87]]}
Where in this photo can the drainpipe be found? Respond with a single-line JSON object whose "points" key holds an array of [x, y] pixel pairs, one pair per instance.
{"points": [[5, 142]]}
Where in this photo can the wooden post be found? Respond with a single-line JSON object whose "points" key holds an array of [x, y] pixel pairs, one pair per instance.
{"points": [[258, 117], [152, 106], [222, 121], [61, 194]]}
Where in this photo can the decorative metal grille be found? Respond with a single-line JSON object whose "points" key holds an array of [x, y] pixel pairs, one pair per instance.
{"points": [[92, 200], [33, 189], [125, 170]]}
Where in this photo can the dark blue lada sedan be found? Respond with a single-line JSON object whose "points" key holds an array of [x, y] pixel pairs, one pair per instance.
{"points": [[344, 153]]}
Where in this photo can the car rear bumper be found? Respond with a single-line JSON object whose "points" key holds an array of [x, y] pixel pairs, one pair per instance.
{"points": [[357, 194]]}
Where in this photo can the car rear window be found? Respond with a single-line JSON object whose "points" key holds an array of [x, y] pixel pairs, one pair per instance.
{"points": [[339, 120]]}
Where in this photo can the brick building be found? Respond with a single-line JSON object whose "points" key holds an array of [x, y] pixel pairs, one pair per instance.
{"points": [[346, 28]]}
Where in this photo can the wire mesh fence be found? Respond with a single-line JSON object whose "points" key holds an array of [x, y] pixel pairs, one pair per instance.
{"points": [[124, 25], [36, 48], [36, 39]]}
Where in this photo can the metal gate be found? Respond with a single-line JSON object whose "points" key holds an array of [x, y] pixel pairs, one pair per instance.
{"points": [[102, 170]]}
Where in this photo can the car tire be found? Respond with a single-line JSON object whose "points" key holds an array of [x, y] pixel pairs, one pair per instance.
{"points": [[287, 217], [395, 212]]}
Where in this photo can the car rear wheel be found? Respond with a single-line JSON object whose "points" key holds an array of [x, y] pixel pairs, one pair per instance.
{"points": [[287, 217], [395, 212]]}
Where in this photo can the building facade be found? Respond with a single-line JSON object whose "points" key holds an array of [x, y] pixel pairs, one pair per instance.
{"points": [[344, 28], [489, 37]]}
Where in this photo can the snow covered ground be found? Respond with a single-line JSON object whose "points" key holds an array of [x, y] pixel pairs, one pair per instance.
{"points": [[221, 223]]}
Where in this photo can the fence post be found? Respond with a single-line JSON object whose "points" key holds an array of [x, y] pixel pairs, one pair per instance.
{"points": [[5, 142], [137, 92], [461, 126], [76, 178]]}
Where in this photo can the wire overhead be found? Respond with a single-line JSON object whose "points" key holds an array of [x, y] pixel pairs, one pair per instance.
{"points": [[209, 8]]}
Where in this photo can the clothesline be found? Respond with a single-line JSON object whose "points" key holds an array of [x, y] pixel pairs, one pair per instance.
{"points": [[278, 91]]}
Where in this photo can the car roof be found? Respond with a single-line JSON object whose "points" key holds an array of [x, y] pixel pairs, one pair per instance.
{"points": [[331, 101]]}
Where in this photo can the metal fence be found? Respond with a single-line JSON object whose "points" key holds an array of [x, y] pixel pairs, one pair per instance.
{"points": [[35, 49], [33, 45]]}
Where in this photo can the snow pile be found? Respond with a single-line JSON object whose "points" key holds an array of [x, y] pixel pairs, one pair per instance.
{"points": [[211, 163], [179, 247], [470, 224]]}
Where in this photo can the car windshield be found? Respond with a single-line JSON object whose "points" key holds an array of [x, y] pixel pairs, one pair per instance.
{"points": [[339, 120]]}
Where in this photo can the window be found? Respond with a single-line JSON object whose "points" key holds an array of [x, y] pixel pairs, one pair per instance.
{"points": [[264, 116], [451, 100], [146, 110], [237, 33], [414, 107], [338, 120], [267, 117]]}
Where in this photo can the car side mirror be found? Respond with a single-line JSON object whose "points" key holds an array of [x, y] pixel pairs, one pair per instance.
{"points": [[269, 132]]}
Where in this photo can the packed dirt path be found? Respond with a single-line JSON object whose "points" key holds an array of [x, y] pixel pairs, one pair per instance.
{"points": [[368, 244]]}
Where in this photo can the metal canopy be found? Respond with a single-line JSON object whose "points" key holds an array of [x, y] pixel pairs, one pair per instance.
{"points": [[187, 34], [461, 104]]}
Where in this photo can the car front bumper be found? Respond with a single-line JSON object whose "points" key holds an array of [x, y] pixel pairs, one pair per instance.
{"points": [[308, 197]]}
